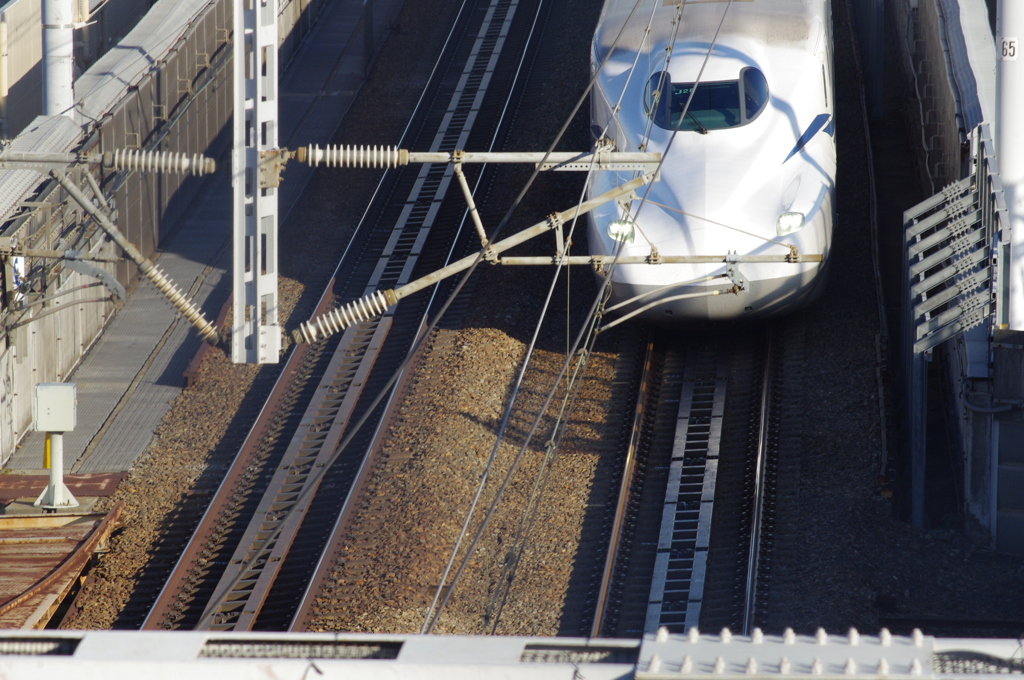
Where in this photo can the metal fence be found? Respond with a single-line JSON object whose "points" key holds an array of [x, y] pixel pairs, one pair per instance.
{"points": [[956, 250]]}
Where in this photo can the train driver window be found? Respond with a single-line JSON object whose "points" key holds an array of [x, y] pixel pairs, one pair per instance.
{"points": [[755, 93], [713, 105]]}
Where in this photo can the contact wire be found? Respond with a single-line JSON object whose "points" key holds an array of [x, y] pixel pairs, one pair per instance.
{"points": [[430, 618], [441, 601]]}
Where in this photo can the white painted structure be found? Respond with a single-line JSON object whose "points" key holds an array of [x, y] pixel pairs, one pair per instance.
{"points": [[55, 413], [111, 655], [58, 58], [256, 336], [1009, 139]]}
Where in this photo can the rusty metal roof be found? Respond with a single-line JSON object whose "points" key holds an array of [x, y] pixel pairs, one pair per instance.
{"points": [[40, 558]]}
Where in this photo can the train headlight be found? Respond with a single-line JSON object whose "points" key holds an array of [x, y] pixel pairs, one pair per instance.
{"points": [[789, 222], [621, 230]]}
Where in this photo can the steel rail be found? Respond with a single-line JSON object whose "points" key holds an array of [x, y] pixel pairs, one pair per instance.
{"points": [[163, 608], [276, 522], [320, 572], [75, 562], [677, 583], [625, 488], [753, 556], [291, 366], [262, 551], [247, 580]]}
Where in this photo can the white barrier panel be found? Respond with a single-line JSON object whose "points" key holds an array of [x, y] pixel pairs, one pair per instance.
{"points": [[1009, 137]]}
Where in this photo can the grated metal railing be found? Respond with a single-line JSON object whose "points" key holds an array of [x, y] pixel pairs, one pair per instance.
{"points": [[954, 262]]}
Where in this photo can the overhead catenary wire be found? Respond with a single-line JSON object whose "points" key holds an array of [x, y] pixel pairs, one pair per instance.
{"points": [[212, 605], [386, 389], [216, 599], [592, 316], [431, 618], [493, 615], [437, 603]]}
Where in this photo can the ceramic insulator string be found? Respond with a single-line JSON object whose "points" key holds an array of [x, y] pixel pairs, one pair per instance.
{"points": [[194, 316], [346, 156], [337, 320], [159, 161]]}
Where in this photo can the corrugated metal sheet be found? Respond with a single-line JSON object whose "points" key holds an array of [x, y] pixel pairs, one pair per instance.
{"points": [[13, 487], [142, 51], [40, 558], [45, 134]]}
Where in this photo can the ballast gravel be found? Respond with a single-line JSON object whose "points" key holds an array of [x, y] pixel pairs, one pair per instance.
{"points": [[856, 562]]}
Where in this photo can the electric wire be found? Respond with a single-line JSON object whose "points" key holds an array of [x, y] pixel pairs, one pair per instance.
{"points": [[429, 619], [495, 608], [210, 609], [429, 622], [216, 600], [433, 614], [592, 316]]}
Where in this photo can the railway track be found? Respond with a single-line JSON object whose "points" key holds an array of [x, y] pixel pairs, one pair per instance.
{"points": [[274, 488], [692, 541]]}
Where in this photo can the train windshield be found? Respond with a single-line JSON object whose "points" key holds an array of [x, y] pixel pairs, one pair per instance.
{"points": [[714, 105]]}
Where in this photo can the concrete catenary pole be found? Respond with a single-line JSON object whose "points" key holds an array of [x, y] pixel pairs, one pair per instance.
{"points": [[1009, 138], [58, 58]]}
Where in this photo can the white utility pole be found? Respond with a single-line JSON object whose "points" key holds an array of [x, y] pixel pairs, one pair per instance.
{"points": [[256, 336], [55, 414], [1009, 139], [58, 58]]}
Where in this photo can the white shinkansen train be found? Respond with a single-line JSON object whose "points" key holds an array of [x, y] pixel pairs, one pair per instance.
{"points": [[750, 163]]}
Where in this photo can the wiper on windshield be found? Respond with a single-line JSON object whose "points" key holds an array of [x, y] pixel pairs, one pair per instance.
{"points": [[700, 128]]}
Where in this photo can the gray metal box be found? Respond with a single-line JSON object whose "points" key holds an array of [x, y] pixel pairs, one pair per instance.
{"points": [[55, 407]]}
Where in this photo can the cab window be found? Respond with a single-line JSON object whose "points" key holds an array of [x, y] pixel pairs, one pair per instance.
{"points": [[713, 106]]}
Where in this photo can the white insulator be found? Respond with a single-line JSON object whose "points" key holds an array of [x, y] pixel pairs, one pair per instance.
{"points": [[720, 666], [757, 636], [821, 637], [885, 637], [187, 309], [662, 635], [347, 156], [337, 320], [751, 668], [788, 637], [655, 665], [160, 161], [817, 667], [850, 668], [726, 636], [853, 637], [693, 635], [918, 637]]}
